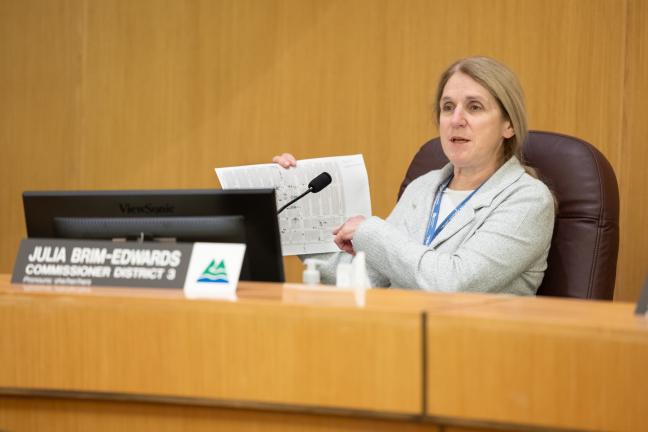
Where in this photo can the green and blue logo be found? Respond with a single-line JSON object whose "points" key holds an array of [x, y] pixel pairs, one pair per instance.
{"points": [[214, 273]]}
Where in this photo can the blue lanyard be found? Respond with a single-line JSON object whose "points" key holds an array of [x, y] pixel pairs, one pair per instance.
{"points": [[432, 230]]}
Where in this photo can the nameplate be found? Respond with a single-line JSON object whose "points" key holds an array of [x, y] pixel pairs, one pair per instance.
{"points": [[642, 304], [202, 269]]}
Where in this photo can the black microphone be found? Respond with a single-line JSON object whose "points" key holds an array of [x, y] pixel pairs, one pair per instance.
{"points": [[320, 182], [315, 185]]}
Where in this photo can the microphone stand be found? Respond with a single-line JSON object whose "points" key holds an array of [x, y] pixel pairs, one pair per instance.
{"points": [[295, 199]]}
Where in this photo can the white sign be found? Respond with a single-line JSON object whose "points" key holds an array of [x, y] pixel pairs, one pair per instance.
{"points": [[214, 270]]}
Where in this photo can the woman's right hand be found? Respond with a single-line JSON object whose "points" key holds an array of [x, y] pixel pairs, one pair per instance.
{"points": [[286, 160]]}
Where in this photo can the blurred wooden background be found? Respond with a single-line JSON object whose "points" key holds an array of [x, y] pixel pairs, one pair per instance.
{"points": [[156, 93]]}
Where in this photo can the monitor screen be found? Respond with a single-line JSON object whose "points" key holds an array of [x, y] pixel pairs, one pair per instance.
{"points": [[223, 216]]}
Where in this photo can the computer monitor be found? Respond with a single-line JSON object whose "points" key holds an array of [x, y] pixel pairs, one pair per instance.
{"points": [[227, 216]]}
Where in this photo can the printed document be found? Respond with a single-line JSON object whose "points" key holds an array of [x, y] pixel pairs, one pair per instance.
{"points": [[306, 226]]}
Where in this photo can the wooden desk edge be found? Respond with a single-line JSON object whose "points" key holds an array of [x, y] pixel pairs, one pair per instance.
{"points": [[204, 402]]}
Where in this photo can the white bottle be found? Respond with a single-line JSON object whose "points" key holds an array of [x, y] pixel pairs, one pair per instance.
{"points": [[344, 275], [359, 278], [311, 275]]}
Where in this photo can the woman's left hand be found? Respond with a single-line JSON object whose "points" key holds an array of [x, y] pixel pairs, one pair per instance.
{"points": [[345, 232]]}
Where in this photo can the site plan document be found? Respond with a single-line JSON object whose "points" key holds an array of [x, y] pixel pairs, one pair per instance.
{"points": [[306, 226]]}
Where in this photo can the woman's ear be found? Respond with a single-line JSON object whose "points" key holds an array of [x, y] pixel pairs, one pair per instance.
{"points": [[508, 131]]}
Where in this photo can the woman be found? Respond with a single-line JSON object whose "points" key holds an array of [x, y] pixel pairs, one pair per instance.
{"points": [[482, 223]]}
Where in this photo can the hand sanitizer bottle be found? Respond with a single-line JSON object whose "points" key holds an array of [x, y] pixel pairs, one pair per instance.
{"points": [[311, 275]]}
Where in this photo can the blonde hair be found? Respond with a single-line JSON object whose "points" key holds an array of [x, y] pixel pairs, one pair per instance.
{"points": [[502, 83]]}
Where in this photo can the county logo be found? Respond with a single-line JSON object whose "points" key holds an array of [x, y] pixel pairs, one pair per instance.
{"points": [[214, 273]]}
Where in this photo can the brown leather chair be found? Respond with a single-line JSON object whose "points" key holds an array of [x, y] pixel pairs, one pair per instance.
{"points": [[583, 256]]}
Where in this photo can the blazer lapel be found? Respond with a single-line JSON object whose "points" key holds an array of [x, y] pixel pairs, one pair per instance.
{"points": [[501, 179], [462, 218], [508, 174]]}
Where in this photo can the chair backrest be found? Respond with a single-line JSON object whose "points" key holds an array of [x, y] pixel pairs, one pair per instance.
{"points": [[583, 256]]}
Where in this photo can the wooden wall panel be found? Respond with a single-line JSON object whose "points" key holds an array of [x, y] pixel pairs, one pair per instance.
{"points": [[39, 110], [633, 148], [155, 94]]}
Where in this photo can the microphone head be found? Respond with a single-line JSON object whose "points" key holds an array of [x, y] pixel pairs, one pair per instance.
{"points": [[320, 182]]}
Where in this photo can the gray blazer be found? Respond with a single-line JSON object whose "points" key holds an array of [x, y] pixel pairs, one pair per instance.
{"points": [[497, 243]]}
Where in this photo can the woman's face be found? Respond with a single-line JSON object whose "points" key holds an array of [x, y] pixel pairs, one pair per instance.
{"points": [[471, 125]]}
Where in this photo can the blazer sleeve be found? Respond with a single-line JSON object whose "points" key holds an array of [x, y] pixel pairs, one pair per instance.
{"points": [[513, 236]]}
